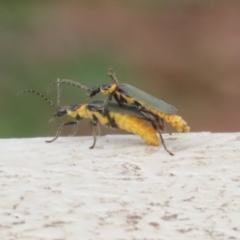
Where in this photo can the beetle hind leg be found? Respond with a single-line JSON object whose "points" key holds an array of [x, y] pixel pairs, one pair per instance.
{"points": [[163, 143], [159, 126]]}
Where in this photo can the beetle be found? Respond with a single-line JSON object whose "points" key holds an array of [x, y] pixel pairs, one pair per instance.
{"points": [[127, 118], [146, 104]]}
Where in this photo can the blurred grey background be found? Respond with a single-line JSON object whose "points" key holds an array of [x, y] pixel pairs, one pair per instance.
{"points": [[187, 53]]}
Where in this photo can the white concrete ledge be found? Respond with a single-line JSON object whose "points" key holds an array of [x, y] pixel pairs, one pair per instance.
{"points": [[122, 189]]}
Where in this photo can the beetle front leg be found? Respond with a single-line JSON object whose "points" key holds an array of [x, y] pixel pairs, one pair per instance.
{"points": [[60, 129], [103, 108], [113, 76]]}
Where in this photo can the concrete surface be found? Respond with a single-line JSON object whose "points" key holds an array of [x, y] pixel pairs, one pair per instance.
{"points": [[122, 189]]}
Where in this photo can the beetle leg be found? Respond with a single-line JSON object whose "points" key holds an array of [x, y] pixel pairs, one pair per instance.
{"points": [[93, 124], [75, 129], [160, 135], [119, 101], [160, 127], [139, 106], [156, 126], [105, 104], [60, 129], [110, 120], [158, 122], [113, 76], [161, 124], [98, 129]]}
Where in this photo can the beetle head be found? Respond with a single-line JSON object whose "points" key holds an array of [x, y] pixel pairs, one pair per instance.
{"points": [[70, 110], [60, 112], [95, 90]]}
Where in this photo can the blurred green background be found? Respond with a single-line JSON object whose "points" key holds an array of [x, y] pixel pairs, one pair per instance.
{"points": [[185, 52]]}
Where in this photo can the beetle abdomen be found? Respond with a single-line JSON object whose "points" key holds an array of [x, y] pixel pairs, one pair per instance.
{"points": [[136, 126], [176, 121]]}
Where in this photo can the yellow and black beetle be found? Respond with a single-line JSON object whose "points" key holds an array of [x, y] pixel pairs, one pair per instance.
{"points": [[146, 104], [127, 118]]}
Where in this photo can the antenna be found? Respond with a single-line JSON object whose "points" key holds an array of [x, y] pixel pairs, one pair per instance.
{"points": [[58, 91], [39, 94], [72, 83]]}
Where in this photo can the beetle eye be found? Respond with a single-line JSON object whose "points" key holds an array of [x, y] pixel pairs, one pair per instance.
{"points": [[105, 87], [60, 112]]}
